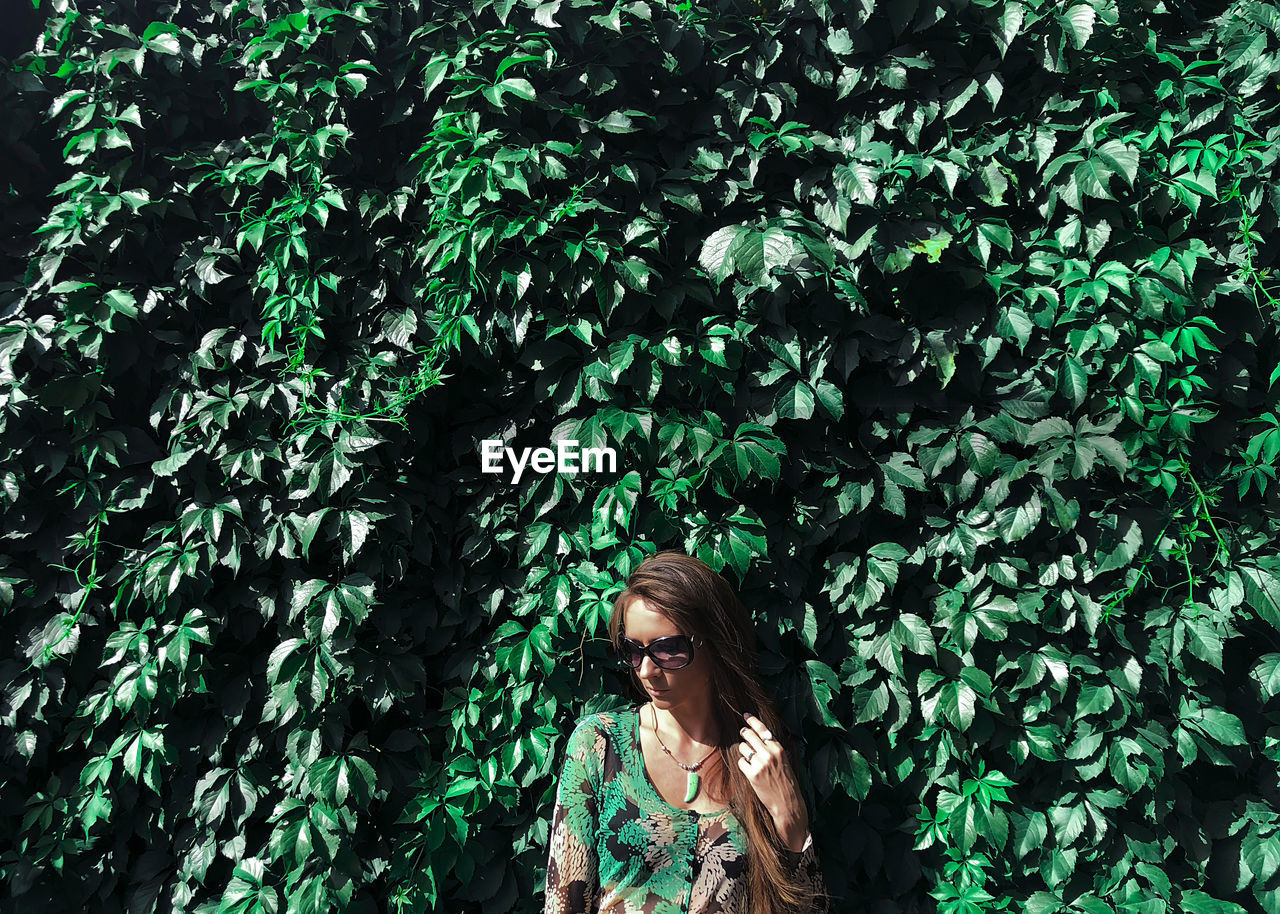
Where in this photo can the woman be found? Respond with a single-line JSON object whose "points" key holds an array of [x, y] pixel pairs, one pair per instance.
{"points": [[687, 802]]}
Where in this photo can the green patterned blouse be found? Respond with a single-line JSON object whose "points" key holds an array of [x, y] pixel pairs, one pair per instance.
{"points": [[617, 846]]}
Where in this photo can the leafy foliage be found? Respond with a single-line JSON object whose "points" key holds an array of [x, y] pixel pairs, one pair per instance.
{"points": [[946, 329]]}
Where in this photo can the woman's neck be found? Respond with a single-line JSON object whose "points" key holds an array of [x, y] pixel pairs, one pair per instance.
{"points": [[684, 726]]}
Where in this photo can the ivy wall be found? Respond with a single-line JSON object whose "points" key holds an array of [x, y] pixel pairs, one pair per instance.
{"points": [[947, 329]]}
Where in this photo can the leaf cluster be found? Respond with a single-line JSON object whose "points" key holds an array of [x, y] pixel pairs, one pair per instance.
{"points": [[946, 330]]}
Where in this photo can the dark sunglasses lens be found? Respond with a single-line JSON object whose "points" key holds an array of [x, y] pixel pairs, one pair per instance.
{"points": [[668, 653], [632, 653], [672, 653]]}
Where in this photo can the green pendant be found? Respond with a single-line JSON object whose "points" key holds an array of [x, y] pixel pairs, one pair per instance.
{"points": [[691, 787]]}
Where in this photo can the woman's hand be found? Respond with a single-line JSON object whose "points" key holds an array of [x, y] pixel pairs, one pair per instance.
{"points": [[770, 775]]}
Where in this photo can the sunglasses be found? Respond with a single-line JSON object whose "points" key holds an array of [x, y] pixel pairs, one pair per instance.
{"points": [[674, 652]]}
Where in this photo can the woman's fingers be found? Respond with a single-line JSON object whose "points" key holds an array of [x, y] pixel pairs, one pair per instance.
{"points": [[758, 726], [765, 765], [752, 739], [749, 751]]}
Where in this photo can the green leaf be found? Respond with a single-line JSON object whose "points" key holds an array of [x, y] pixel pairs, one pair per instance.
{"points": [[1011, 19], [1030, 832], [809, 627], [1043, 903], [520, 87], [715, 257], [778, 247], [831, 399], [1068, 823], [619, 122], [856, 181], [636, 273], [876, 702], [853, 772], [1123, 548], [913, 634], [1015, 322], [1015, 523], [797, 402], [307, 527], [1262, 591], [1073, 381], [1267, 674], [979, 452], [1194, 901], [1220, 725], [1204, 641], [514, 60], [1261, 855], [958, 702], [748, 253], [825, 687], [171, 464], [1078, 23], [1119, 158]]}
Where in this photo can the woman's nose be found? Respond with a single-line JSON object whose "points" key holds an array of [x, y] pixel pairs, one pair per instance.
{"points": [[647, 667]]}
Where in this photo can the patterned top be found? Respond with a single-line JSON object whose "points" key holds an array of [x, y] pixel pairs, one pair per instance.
{"points": [[617, 846]]}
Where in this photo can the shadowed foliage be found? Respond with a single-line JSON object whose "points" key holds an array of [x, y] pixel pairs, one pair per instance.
{"points": [[946, 329]]}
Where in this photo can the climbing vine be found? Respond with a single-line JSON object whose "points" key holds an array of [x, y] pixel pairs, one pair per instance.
{"points": [[946, 331]]}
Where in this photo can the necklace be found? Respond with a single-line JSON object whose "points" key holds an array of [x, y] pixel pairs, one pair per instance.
{"points": [[691, 785]]}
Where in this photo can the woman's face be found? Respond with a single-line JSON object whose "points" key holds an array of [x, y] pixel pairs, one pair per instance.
{"points": [[667, 688]]}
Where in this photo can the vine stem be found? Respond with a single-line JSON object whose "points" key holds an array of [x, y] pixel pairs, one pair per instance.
{"points": [[1191, 584], [1246, 219], [1204, 510], [89, 586], [1116, 602]]}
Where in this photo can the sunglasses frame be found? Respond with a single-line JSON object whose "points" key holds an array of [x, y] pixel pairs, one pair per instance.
{"points": [[647, 651]]}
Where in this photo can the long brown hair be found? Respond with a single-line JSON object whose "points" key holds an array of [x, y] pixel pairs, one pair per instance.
{"points": [[702, 605]]}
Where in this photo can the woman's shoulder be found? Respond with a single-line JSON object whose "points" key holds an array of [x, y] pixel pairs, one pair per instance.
{"points": [[606, 723], [594, 729]]}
